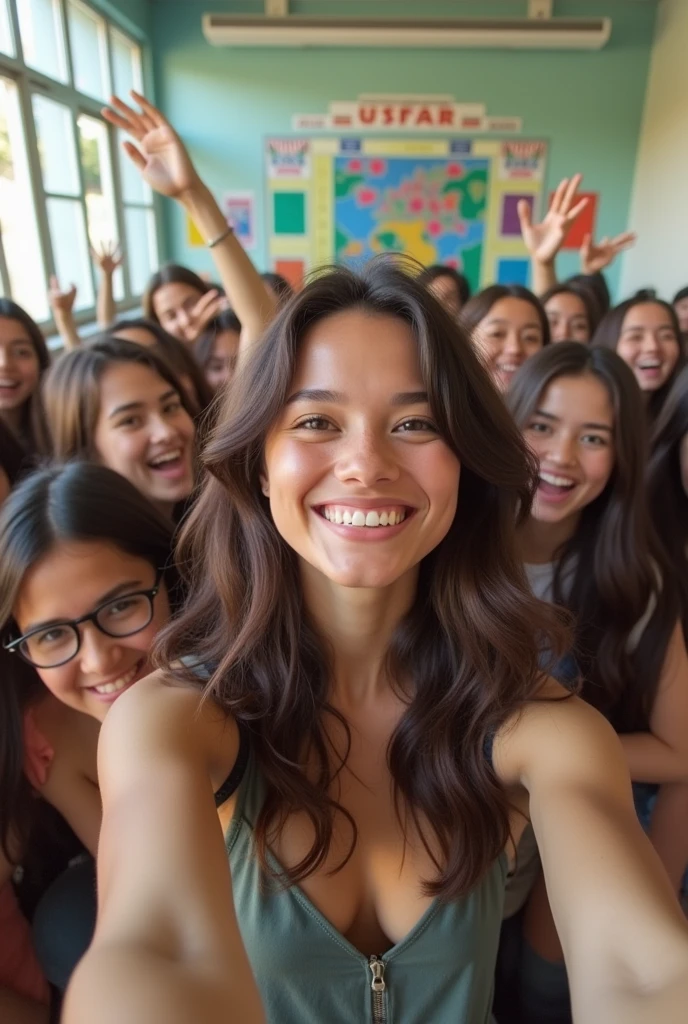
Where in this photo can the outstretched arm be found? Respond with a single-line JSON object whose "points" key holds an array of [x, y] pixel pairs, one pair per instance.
{"points": [[62, 305], [167, 948], [544, 240], [624, 938], [109, 258], [164, 163]]}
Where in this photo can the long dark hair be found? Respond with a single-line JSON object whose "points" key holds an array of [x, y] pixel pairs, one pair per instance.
{"points": [[227, 320], [430, 274], [32, 427], [12, 455], [666, 492], [76, 502], [71, 392], [585, 294], [280, 286], [609, 331], [618, 555], [171, 273], [468, 647], [173, 351], [477, 308]]}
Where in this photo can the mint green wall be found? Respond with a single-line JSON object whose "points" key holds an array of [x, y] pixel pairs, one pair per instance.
{"points": [[224, 102]]}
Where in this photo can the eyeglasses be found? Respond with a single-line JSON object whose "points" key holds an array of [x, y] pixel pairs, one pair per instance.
{"points": [[56, 644]]}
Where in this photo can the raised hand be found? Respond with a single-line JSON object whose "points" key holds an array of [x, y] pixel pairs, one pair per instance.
{"points": [[544, 240], [61, 302], [160, 155], [108, 256], [205, 310], [595, 256]]}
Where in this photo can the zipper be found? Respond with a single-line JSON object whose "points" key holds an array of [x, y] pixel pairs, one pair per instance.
{"points": [[379, 988]]}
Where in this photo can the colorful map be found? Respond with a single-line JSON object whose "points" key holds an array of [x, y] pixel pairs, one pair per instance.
{"points": [[451, 200], [431, 210]]}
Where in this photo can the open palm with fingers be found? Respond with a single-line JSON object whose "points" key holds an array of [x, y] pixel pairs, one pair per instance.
{"points": [[159, 153], [544, 240], [595, 256], [61, 302], [206, 309], [108, 256]]}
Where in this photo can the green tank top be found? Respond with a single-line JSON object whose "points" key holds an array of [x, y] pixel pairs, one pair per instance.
{"points": [[308, 973]]}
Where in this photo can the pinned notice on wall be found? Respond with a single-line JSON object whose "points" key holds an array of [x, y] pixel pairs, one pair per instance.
{"points": [[240, 210]]}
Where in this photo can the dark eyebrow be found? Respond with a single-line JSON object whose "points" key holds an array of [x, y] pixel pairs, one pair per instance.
{"points": [[588, 426], [316, 395], [114, 592], [138, 405], [504, 320]]}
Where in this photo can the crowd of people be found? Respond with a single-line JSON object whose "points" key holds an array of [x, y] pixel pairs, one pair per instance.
{"points": [[344, 671]]}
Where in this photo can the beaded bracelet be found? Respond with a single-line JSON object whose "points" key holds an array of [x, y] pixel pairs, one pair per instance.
{"points": [[229, 230]]}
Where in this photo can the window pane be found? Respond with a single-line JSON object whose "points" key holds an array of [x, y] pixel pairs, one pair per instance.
{"points": [[40, 27], [55, 131], [17, 214], [126, 64], [142, 250], [6, 40], [70, 248], [134, 188], [89, 51], [100, 196]]}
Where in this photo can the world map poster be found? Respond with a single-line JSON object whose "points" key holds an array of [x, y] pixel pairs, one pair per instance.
{"points": [[451, 201]]}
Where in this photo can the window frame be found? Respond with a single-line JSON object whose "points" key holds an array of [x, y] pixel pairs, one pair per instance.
{"points": [[30, 82]]}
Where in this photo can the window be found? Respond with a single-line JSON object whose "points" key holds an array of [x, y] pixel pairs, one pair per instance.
{"points": [[65, 185]]}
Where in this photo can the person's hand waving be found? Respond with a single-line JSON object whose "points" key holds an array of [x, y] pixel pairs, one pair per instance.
{"points": [[159, 153], [595, 256], [544, 240]]}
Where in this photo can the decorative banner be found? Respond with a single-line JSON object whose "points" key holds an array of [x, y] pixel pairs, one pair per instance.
{"points": [[239, 211], [288, 158], [437, 200], [406, 113]]}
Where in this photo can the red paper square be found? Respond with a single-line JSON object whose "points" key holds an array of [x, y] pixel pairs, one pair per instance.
{"points": [[293, 271], [584, 223]]}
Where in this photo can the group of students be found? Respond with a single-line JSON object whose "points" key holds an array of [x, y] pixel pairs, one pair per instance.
{"points": [[386, 583]]}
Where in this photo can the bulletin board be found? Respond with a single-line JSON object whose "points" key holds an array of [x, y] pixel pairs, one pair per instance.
{"points": [[450, 201]]}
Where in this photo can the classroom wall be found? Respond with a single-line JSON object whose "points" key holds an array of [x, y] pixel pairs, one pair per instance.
{"points": [[224, 102], [659, 211]]}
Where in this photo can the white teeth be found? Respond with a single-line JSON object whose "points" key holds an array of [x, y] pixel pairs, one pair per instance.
{"points": [[9, 383], [168, 457], [118, 684], [556, 481], [358, 517], [650, 365]]}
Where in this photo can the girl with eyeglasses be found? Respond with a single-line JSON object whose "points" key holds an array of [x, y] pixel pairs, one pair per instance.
{"points": [[86, 583]]}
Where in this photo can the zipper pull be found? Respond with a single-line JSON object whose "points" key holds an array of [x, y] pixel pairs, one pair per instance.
{"points": [[377, 968]]}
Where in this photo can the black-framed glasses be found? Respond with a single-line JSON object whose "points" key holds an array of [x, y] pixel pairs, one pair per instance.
{"points": [[56, 644]]}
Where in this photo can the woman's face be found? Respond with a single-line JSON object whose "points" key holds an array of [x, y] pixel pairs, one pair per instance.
{"points": [[568, 318], [681, 308], [649, 345], [361, 485], [222, 360], [509, 334], [20, 369], [172, 304], [72, 580], [447, 294], [144, 433], [572, 434]]}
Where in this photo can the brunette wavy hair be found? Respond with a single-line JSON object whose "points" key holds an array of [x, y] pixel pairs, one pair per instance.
{"points": [[178, 355], [32, 428], [71, 392], [437, 270], [469, 647], [477, 308], [76, 502], [609, 331], [620, 567], [171, 273], [666, 491]]}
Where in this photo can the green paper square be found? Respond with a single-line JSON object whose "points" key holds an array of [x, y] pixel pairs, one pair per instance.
{"points": [[289, 213]]}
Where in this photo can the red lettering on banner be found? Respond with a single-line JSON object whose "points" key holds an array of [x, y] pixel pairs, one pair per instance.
{"points": [[446, 116], [366, 115], [404, 114], [388, 115], [424, 116]]}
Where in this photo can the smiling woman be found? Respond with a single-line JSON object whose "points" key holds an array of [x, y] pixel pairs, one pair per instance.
{"points": [[119, 404]]}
